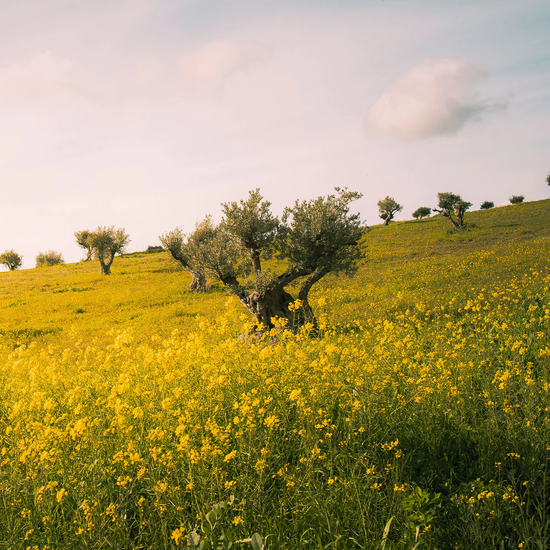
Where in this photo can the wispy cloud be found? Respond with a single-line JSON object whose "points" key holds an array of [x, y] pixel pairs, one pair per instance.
{"points": [[217, 61], [436, 97], [207, 67], [44, 74]]}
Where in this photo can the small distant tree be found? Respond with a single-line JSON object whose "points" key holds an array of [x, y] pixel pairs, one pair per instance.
{"points": [[516, 199], [83, 240], [486, 205], [49, 258], [11, 260], [422, 212], [453, 208], [106, 243], [314, 238], [184, 248], [548, 178], [388, 208]]}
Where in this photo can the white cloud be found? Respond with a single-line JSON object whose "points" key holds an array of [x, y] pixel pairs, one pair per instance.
{"points": [[438, 96]]}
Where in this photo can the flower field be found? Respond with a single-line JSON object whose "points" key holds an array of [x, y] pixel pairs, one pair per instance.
{"points": [[418, 418]]}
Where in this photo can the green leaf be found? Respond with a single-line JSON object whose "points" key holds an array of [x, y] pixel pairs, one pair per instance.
{"points": [[206, 527], [385, 535], [212, 516], [193, 539], [387, 528], [257, 542]]}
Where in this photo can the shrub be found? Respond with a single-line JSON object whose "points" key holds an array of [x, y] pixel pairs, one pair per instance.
{"points": [[422, 212], [516, 199], [486, 205], [49, 258]]}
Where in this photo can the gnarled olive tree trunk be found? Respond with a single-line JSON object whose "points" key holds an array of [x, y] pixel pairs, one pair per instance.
{"points": [[275, 302], [198, 282], [173, 243], [105, 266]]}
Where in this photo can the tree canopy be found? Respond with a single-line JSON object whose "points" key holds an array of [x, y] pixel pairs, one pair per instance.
{"points": [[11, 259], [313, 238], [83, 240], [387, 209], [422, 212], [105, 243], [453, 208]]}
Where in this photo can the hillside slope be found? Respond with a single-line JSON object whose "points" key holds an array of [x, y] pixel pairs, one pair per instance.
{"points": [[403, 257], [419, 417]]}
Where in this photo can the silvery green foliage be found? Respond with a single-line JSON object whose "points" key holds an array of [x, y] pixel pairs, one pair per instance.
{"points": [[173, 242], [388, 208], [321, 234], [452, 207], [11, 260], [213, 250], [252, 225]]}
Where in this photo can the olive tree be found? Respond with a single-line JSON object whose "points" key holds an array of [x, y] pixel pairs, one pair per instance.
{"points": [[314, 238], [49, 258], [422, 212], [453, 208], [83, 240], [11, 260], [516, 199], [106, 243], [486, 205], [181, 248], [548, 178], [388, 208]]}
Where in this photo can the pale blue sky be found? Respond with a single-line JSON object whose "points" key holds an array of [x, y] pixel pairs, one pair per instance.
{"points": [[146, 114]]}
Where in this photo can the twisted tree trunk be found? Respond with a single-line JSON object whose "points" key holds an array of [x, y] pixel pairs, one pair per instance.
{"points": [[275, 302], [198, 282], [106, 265]]}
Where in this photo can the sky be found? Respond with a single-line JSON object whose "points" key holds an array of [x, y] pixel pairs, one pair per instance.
{"points": [[148, 114]]}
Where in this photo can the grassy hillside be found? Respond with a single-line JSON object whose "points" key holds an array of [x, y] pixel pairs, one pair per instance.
{"points": [[129, 407]]}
